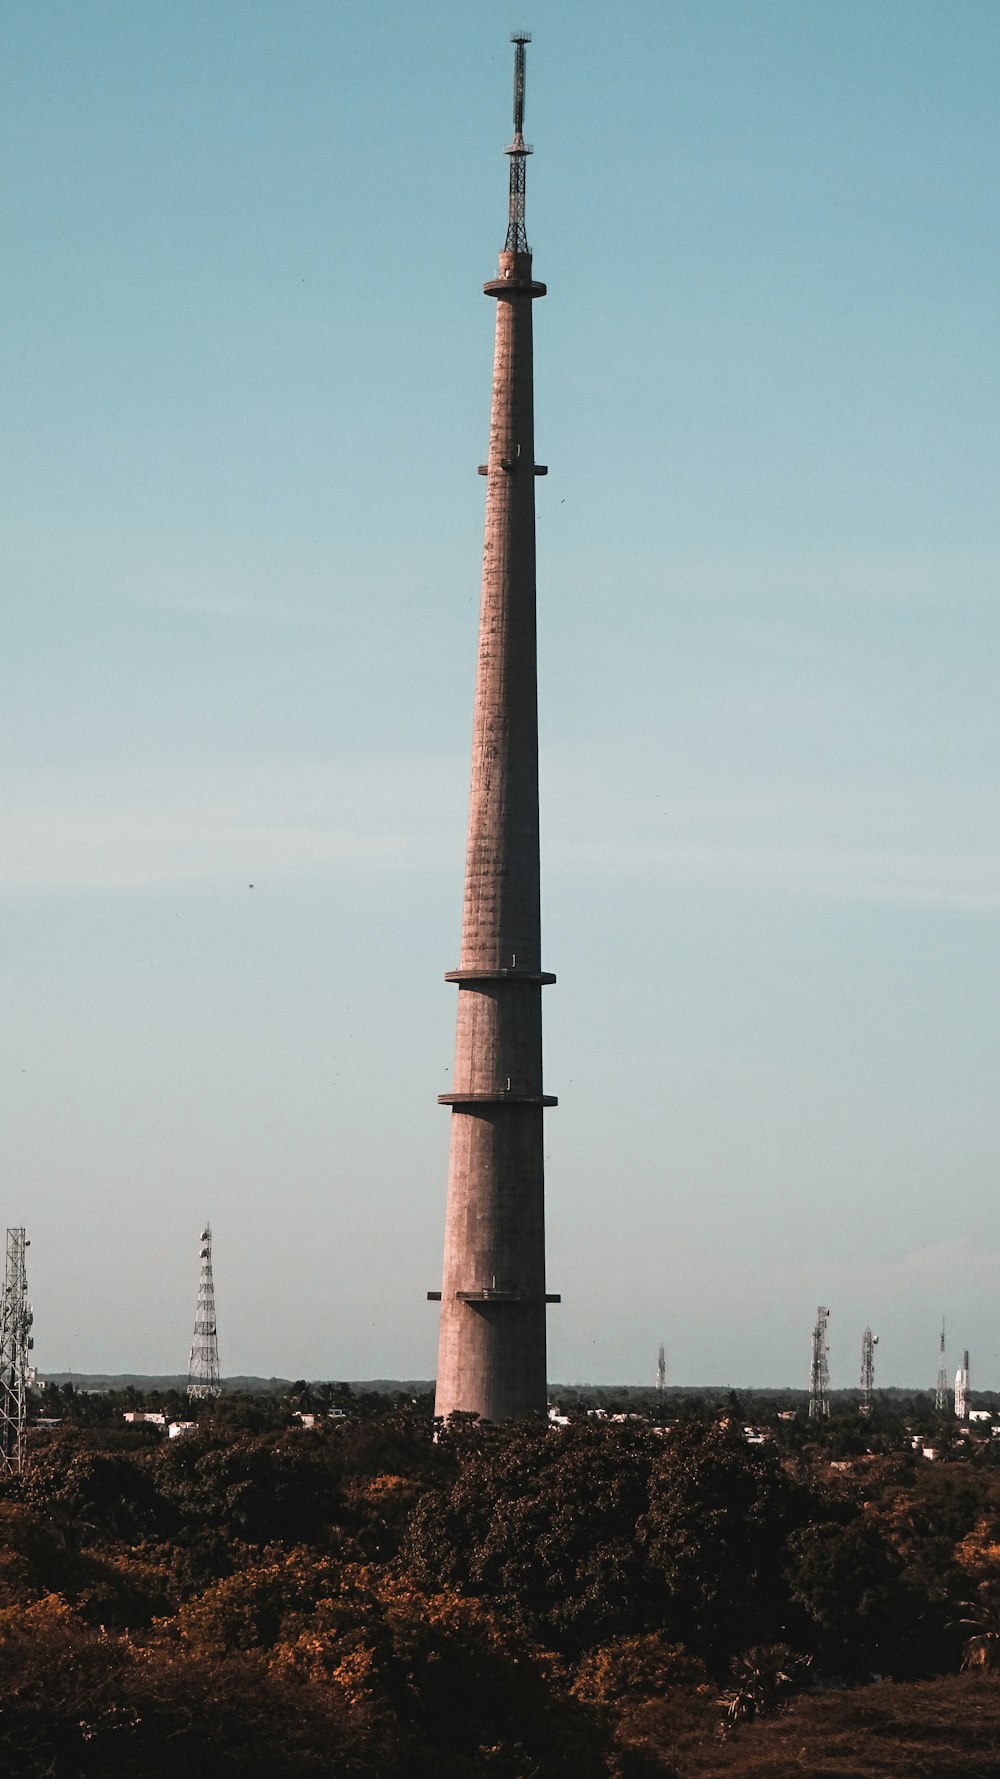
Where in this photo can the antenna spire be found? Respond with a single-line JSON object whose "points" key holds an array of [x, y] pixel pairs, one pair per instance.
{"points": [[517, 240]]}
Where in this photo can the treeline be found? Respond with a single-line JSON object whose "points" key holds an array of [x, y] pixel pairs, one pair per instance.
{"points": [[362, 1599]]}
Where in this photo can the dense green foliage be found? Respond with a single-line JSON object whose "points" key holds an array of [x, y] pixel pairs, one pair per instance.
{"points": [[360, 1598]]}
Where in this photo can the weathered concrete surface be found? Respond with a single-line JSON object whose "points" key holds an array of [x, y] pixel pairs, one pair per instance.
{"points": [[491, 1357]]}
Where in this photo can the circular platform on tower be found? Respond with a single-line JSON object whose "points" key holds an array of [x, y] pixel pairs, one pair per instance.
{"points": [[501, 287], [511, 1098], [545, 977]]}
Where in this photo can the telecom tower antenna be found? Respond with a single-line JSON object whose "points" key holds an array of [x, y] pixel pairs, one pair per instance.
{"points": [[962, 1388], [517, 240], [15, 1345], [661, 1371], [203, 1366], [869, 1342], [819, 1375], [941, 1393]]}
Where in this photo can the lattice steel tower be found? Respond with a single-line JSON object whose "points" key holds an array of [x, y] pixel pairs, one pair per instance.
{"points": [[15, 1345], [819, 1374], [491, 1354], [941, 1393], [203, 1365], [869, 1342]]}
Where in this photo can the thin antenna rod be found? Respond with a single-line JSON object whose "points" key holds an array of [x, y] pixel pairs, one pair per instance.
{"points": [[517, 240]]}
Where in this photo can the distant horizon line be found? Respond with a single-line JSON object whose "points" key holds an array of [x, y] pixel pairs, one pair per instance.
{"points": [[246, 1382]]}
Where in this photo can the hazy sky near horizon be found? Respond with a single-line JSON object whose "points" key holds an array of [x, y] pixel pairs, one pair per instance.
{"points": [[246, 387]]}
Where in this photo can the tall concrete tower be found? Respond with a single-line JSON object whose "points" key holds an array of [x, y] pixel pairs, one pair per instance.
{"points": [[491, 1358]]}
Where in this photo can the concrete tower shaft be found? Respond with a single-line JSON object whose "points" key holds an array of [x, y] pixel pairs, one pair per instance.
{"points": [[492, 1344], [501, 926]]}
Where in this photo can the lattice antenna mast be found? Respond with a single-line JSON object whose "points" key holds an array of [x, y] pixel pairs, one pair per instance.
{"points": [[962, 1388], [661, 1371], [869, 1342], [819, 1375], [517, 240], [941, 1393], [15, 1345], [203, 1366]]}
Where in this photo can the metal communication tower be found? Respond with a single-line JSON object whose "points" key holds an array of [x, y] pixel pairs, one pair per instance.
{"points": [[941, 1393], [962, 1388], [869, 1342], [517, 240], [203, 1366], [661, 1371], [819, 1374], [15, 1345]]}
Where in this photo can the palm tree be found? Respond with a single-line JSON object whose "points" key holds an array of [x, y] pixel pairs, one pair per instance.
{"points": [[764, 1676], [982, 1648]]}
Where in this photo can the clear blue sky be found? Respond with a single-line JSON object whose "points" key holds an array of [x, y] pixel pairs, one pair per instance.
{"points": [[246, 387]]}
